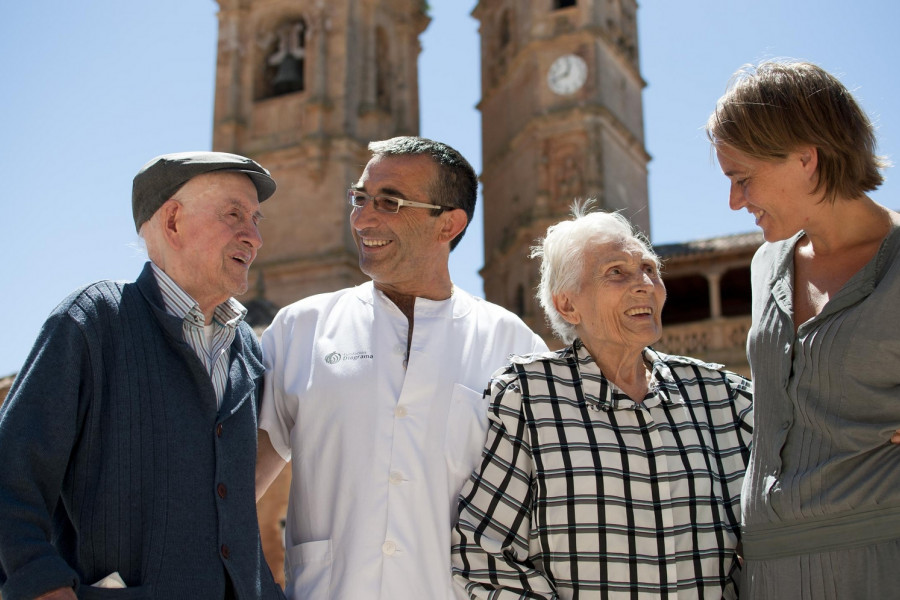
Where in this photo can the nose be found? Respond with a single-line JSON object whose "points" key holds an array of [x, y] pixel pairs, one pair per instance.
{"points": [[250, 235], [643, 282], [736, 197]]}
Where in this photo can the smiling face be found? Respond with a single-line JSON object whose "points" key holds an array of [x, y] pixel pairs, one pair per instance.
{"points": [[618, 310], [778, 193], [215, 218], [404, 252]]}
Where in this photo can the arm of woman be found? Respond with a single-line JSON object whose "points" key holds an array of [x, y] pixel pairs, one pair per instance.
{"points": [[491, 554]]}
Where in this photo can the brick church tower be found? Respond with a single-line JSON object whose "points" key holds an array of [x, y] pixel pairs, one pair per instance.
{"points": [[302, 86], [562, 118]]}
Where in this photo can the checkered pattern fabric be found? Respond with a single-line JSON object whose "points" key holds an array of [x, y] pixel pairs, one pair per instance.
{"points": [[583, 493]]}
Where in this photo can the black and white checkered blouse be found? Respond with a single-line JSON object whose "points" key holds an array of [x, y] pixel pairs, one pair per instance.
{"points": [[583, 493]]}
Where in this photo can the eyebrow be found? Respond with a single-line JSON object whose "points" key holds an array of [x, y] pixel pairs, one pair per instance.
{"points": [[623, 257], [234, 203], [388, 191]]}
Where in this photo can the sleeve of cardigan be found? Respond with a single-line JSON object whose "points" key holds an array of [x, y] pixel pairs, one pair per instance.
{"points": [[38, 427], [491, 541]]}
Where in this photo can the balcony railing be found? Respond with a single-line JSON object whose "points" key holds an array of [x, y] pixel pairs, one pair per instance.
{"points": [[722, 340]]}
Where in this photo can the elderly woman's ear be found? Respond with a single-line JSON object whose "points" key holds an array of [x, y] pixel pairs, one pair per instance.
{"points": [[563, 304]]}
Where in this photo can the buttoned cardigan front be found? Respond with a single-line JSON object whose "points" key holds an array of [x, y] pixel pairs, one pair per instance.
{"points": [[116, 458]]}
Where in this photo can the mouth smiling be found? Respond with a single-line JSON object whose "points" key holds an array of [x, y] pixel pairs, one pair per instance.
{"points": [[372, 243], [757, 214], [640, 310], [244, 259]]}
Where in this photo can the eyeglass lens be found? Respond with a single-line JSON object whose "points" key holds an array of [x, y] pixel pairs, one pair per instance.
{"points": [[382, 203]]}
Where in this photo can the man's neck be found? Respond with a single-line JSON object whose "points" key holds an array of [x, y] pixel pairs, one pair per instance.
{"points": [[407, 305], [406, 301]]}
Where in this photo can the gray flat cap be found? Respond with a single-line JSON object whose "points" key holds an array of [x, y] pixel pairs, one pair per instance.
{"points": [[160, 178]]}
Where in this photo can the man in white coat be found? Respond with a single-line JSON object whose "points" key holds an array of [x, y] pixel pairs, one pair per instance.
{"points": [[374, 393]]}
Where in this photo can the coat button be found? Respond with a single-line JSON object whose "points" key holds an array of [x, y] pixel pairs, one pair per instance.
{"points": [[222, 490], [225, 551], [219, 430]]}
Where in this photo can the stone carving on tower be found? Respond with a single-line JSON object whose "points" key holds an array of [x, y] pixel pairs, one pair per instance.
{"points": [[302, 86], [562, 118]]}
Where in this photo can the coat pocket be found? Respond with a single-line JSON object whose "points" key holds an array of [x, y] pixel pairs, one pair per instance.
{"points": [[308, 568], [467, 426]]}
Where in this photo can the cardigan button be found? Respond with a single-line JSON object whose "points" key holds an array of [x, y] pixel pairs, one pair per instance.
{"points": [[226, 553], [222, 490]]}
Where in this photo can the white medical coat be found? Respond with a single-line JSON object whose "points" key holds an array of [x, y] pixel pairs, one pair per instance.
{"points": [[380, 450]]}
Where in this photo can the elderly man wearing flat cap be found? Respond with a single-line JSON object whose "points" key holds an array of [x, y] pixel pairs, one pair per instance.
{"points": [[129, 437]]}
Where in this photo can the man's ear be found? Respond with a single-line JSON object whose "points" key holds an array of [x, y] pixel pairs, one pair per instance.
{"points": [[171, 220], [452, 223], [563, 304]]}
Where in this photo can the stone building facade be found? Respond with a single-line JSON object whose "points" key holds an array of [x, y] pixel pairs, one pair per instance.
{"points": [[707, 313]]}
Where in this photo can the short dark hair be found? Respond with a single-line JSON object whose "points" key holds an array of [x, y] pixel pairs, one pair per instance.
{"points": [[456, 184], [772, 109]]}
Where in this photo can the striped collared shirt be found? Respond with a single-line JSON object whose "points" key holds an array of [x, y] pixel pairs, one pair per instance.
{"points": [[583, 493], [226, 319]]}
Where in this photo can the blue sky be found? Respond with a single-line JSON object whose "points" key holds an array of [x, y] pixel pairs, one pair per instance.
{"points": [[92, 90]]}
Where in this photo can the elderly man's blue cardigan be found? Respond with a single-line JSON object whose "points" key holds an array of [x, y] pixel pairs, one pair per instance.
{"points": [[115, 458]]}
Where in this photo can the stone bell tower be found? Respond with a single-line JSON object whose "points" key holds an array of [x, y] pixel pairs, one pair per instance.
{"points": [[561, 118], [302, 86]]}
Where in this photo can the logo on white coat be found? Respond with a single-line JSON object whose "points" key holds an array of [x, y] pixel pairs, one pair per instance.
{"points": [[335, 357]]}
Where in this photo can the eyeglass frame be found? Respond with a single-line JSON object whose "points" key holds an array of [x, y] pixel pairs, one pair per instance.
{"points": [[352, 194]]}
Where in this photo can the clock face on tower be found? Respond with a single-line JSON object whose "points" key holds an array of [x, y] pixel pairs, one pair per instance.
{"points": [[567, 74]]}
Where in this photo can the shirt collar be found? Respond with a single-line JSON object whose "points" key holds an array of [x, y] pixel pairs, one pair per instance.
{"points": [[607, 396], [180, 304]]}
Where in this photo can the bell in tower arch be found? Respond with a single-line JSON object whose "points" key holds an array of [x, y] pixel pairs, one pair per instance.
{"points": [[287, 60], [289, 76]]}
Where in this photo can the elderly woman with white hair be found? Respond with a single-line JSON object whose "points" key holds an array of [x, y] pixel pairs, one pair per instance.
{"points": [[611, 470]]}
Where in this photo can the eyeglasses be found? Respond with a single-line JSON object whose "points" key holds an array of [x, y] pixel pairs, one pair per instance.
{"points": [[386, 204]]}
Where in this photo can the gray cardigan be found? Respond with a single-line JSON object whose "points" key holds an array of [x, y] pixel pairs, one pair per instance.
{"points": [[114, 457]]}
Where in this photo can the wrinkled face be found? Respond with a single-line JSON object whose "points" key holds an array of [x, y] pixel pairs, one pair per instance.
{"points": [[219, 236], [398, 251], [776, 193], [619, 306]]}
